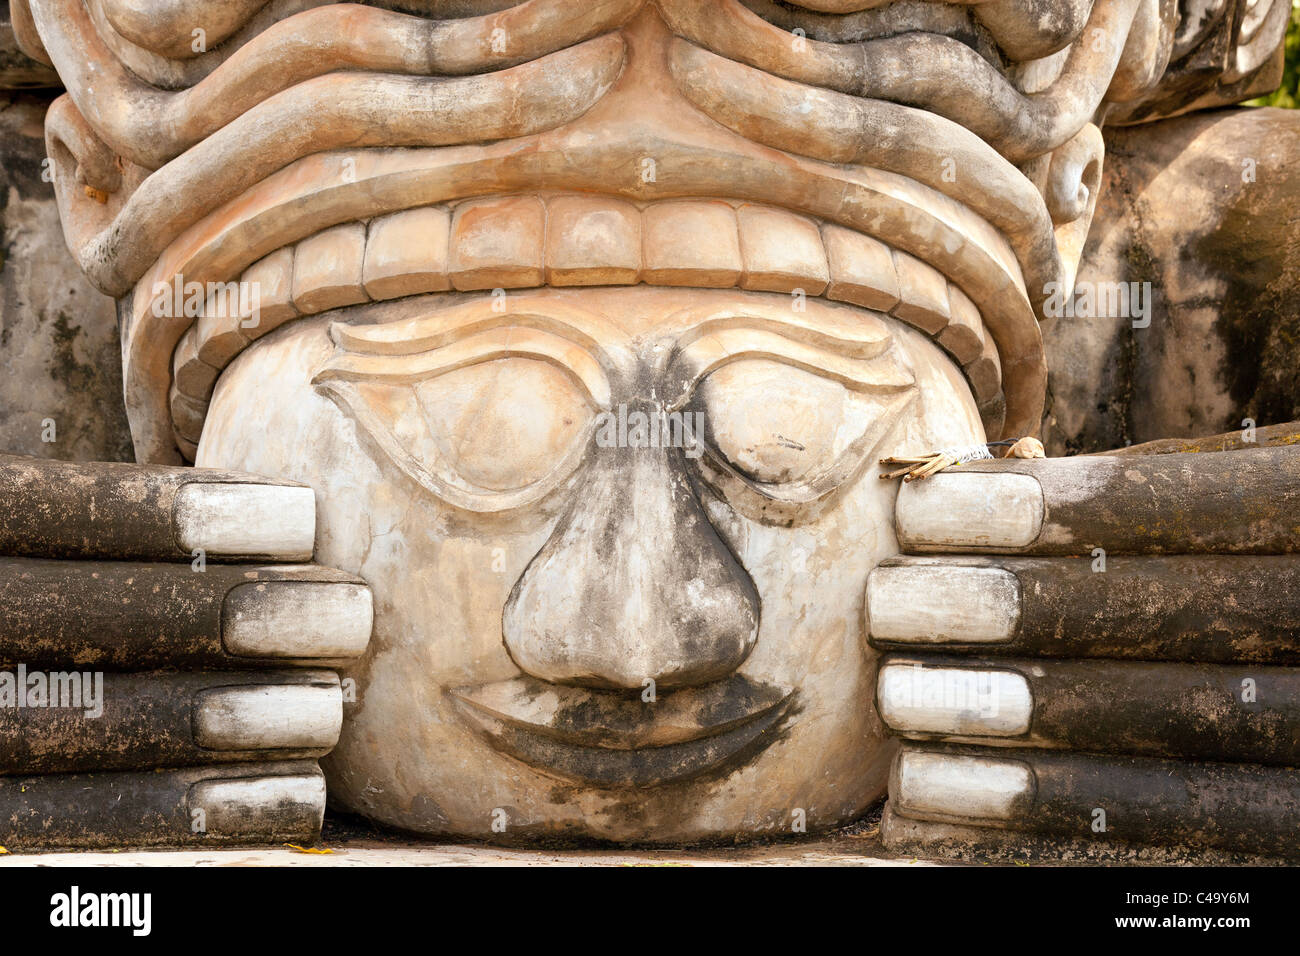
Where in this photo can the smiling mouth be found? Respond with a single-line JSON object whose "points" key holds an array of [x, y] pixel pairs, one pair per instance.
{"points": [[609, 739]]}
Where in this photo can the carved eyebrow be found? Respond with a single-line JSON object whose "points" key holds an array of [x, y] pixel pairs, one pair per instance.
{"points": [[861, 356], [427, 359], [443, 326], [852, 333]]}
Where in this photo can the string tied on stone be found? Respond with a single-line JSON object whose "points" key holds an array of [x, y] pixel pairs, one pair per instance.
{"points": [[922, 467]]}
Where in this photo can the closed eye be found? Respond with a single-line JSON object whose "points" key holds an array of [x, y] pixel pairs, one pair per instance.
{"points": [[792, 406], [788, 434], [488, 423]]}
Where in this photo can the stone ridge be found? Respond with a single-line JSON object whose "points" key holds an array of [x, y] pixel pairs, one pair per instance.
{"points": [[520, 242]]}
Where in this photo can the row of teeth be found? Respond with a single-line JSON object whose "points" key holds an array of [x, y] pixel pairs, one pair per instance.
{"points": [[519, 242]]}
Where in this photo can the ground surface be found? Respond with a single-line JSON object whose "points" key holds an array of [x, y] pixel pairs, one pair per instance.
{"points": [[813, 853], [355, 843]]}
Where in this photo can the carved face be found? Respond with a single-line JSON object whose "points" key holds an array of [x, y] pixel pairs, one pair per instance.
{"points": [[618, 535], [618, 541]]}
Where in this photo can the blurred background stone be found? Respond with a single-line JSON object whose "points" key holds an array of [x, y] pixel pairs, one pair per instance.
{"points": [[59, 356], [18, 71], [1201, 206]]}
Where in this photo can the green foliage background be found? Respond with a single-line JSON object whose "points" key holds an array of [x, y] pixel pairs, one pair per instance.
{"points": [[1288, 94]]}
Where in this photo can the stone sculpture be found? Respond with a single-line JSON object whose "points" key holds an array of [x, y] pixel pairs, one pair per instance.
{"points": [[587, 324], [1122, 673], [147, 696]]}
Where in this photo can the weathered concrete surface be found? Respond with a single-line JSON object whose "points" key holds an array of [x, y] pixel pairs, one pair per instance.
{"points": [[18, 71], [118, 511], [991, 845], [1248, 714], [818, 853], [1207, 209], [1241, 502], [159, 719], [1231, 792], [59, 353], [240, 804], [1266, 436], [408, 757], [352, 843], [447, 530], [1231, 808], [1170, 608]]}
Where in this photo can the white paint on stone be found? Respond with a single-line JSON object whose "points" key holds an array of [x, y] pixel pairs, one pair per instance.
{"points": [[960, 786], [914, 698], [276, 521], [935, 604], [269, 716], [974, 510], [257, 806], [297, 619]]}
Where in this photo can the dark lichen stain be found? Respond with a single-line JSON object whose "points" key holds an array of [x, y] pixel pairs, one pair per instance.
{"points": [[63, 363], [1259, 324]]}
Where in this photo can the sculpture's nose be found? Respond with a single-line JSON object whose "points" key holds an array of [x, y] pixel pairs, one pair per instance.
{"points": [[634, 585]]}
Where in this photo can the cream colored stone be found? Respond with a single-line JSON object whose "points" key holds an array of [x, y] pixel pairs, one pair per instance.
{"points": [[218, 332], [497, 243], [470, 671], [949, 785], [782, 252], [975, 509], [592, 241], [270, 716], [297, 619], [963, 338], [954, 701], [270, 284], [253, 807], [459, 461], [861, 269], [691, 243], [923, 294], [327, 269], [856, 132], [942, 604], [246, 520], [406, 253]]}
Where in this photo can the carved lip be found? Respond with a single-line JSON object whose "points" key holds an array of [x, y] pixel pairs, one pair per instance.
{"points": [[610, 739]]}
